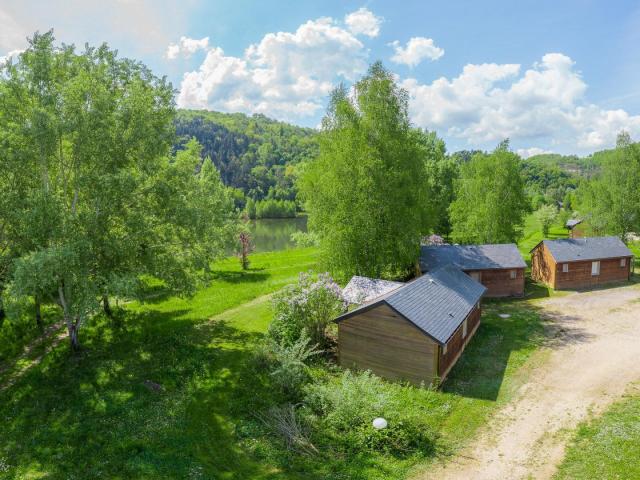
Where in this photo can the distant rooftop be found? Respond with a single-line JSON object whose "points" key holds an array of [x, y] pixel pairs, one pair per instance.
{"points": [[436, 303], [572, 223], [363, 289], [588, 248], [471, 257]]}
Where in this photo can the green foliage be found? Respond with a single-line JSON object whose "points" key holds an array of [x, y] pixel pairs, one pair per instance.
{"points": [[306, 308], [490, 202], [290, 370], [366, 193], [271, 208], [611, 201], [254, 154], [305, 239], [346, 406], [92, 199], [546, 215]]}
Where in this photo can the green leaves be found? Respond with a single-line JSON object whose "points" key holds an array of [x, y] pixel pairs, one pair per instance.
{"points": [[366, 193], [92, 198], [490, 200]]}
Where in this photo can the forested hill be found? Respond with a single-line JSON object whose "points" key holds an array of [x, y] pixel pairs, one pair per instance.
{"points": [[254, 154], [582, 166]]}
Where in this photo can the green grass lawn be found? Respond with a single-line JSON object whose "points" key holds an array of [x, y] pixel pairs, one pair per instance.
{"points": [[94, 415], [607, 447]]}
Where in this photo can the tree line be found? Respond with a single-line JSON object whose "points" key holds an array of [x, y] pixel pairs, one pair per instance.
{"points": [[379, 185]]}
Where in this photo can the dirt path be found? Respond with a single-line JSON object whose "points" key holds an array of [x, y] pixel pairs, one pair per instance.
{"points": [[594, 356], [31, 355]]}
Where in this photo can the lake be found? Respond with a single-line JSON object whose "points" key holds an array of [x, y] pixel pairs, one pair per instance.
{"points": [[271, 234]]}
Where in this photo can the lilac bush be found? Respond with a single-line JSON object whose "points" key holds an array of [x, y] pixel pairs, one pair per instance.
{"points": [[307, 306]]}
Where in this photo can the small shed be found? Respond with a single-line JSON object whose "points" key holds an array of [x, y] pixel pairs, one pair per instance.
{"points": [[364, 289], [574, 263], [499, 267], [416, 332], [573, 226]]}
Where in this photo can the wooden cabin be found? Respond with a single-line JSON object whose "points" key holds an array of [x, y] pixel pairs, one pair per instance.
{"points": [[416, 332], [498, 267], [575, 263], [574, 227]]}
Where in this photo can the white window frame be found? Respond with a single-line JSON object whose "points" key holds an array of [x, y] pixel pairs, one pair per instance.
{"points": [[513, 274], [565, 267], [595, 268], [623, 262], [444, 349], [464, 328], [477, 276]]}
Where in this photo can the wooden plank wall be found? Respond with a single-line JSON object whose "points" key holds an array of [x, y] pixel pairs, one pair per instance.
{"points": [[579, 274], [500, 284], [456, 344], [387, 344]]}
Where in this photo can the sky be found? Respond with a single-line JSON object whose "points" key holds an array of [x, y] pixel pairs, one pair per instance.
{"points": [[553, 76]]}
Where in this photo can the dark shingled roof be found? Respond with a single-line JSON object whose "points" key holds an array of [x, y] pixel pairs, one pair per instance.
{"points": [[588, 248], [572, 223], [471, 257], [437, 302]]}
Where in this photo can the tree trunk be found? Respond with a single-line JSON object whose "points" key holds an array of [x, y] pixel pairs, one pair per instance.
{"points": [[73, 323], [73, 336], [106, 306], [38, 313]]}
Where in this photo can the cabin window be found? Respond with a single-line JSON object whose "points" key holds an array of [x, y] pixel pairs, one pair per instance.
{"points": [[464, 329], [477, 276], [623, 262], [444, 349], [565, 267], [595, 268], [513, 274]]}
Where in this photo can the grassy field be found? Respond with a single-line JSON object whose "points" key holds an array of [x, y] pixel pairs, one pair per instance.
{"points": [[171, 392], [607, 447]]}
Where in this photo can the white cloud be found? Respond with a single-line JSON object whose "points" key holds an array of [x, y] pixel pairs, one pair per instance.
{"points": [[489, 102], [286, 75], [186, 47], [363, 22], [11, 54], [416, 50], [530, 152]]}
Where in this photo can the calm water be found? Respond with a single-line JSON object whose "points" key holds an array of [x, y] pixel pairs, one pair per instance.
{"points": [[271, 234]]}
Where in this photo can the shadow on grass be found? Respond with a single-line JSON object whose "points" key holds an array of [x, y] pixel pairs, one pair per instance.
{"points": [[96, 405]]}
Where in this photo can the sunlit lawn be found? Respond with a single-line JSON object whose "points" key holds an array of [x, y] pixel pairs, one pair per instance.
{"points": [[607, 447]]}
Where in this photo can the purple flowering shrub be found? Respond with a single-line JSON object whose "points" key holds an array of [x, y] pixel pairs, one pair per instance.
{"points": [[306, 307]]}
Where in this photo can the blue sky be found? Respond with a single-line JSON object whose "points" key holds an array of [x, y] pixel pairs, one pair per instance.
{"points": [[559, 76]]}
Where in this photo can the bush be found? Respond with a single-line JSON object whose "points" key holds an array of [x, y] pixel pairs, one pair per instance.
{"points": [[290, 370], [305, 239], [345, 408], [271, 208], [308, 306]]}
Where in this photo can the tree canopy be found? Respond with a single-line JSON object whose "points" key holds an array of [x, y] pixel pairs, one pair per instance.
{"points": [[490, 201], [611, 200], [366, 194], [92, 199]]}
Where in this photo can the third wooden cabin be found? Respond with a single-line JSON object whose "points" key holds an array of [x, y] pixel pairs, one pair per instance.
{"points": [[575, 263]]}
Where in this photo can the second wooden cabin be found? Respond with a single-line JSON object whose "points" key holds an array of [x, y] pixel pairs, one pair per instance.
{"points": [[498, 267]]}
